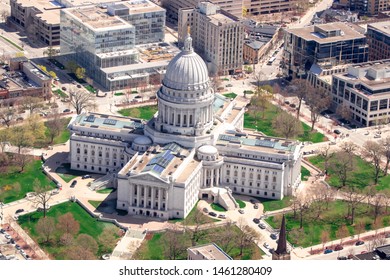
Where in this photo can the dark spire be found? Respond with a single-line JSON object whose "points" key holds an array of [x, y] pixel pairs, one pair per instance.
{"points": [[282, 243]]}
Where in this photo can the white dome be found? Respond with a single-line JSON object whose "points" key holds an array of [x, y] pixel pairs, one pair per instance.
{"points": [[208, 150], [142, 140], [187, 70]]}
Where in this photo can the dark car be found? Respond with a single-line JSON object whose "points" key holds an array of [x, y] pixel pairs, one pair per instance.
{"points": [[17, 247], [205, 210], [359, 242], [213, 214], [73, 184], [138, 96], [342, 258], [66, 111], [19, 211], [252, 201], [273, 236], [86, 177], [287, 102], [338, 248], [12, 241], [256, 220], [328, 251], [271, 250], [78, 86], [2, 230], [337, 131], [63, 88]]}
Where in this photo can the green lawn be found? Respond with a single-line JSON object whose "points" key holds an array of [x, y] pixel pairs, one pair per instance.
{"points": [[362, 177], [272, 205], [118, 93], [304, 173], [230, 95], [88, 225], [95, 203], [241, 203], [330, 221], [217, 207], [60, 93], [107, 190], [153, 249], [265, 125], [62, 137], [145, 112], [32, 171], [90, 88]]}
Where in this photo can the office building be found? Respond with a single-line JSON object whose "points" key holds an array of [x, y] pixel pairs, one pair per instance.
{"points": [[209, 251], [378, 39], [193, 147], [325, 44], [218, 37], [366, 7], [257, 7]]}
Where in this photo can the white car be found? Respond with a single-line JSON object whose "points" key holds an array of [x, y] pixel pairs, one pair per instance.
{"points": [[266, 245], [7, 236]]}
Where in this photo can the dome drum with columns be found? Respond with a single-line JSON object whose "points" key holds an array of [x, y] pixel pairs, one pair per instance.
{"points": [[185, 98]]}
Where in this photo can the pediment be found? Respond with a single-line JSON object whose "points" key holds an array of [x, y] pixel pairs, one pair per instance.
{"points": [[148, 177]]}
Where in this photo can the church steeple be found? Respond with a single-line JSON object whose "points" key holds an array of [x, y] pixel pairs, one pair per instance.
{"points": [[281, 252]]}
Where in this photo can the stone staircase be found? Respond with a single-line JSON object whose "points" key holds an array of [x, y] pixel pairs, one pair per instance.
{"points": [[102, 182], [227, 201]]}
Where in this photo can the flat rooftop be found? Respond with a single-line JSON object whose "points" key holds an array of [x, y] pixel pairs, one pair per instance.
{"points": [[309, 34], [50, 16], [105, 122], [383, 26], [209, 252], [259, 143], [96, 18], [41, 4], [218, 19], [141, 6]]}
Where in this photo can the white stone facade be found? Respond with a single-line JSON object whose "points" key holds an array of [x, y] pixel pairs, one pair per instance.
{"points": [[193, 148]]}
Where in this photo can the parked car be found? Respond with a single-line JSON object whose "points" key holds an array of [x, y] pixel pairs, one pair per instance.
{"points": [[292, 105], [213, 214], [342, 258], [2, 230], [241, 211], [256, 206], [359, 242], [271, 250], [337, 131], [19, 119], [229, 85], [17, 247], [327, 116], [256, 220], [222, 216], [328, 251], [266, 245], [19, 211], [286, 102], [63, 88], [252, 201], [338, 248], [205, 210], [78, 86], [262, 226], [377, 136], [86, 176], [73, 184], [7, 236], [387, 235], [273, 236], [66, 111]]}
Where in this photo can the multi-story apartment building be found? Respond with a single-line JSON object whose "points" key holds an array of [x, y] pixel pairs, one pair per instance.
{"points": [[366, 7], [192, 148], [24, 79], [103, 40], [218, 36], [256, 7], [173, 7], [326, 44], [378, 39]]}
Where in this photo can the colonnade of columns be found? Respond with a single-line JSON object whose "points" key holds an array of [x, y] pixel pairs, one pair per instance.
{"points": [[185, 117], [149, 192], [211, 177]]}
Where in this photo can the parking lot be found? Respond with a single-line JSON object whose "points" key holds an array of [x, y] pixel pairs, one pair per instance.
{"points": [[12, 247]]}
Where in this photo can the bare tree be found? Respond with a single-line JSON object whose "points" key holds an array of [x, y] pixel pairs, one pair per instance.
{"points": [[350, 148], [287, 126], [318, 100], [5, 137], [247, 236], [31, 103], [46, 228], [327, 154], [173, 242], [226, 237], [54, 126], [342, 232], [259, 104], [353, 197], [385, 143], [4, 14], [301, 204], [7, 113], [108, 239], [299, 88], [324, 238], [85, 248], [359, 227], [22, 159], [341, 166], [50, 52], [42, 196], [81, 100], [67, 224], [198, 219], [344, 112], [372, 151], [378, 201]]}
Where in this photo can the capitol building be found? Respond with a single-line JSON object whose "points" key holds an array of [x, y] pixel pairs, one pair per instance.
{"points": [[193, 148]]}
